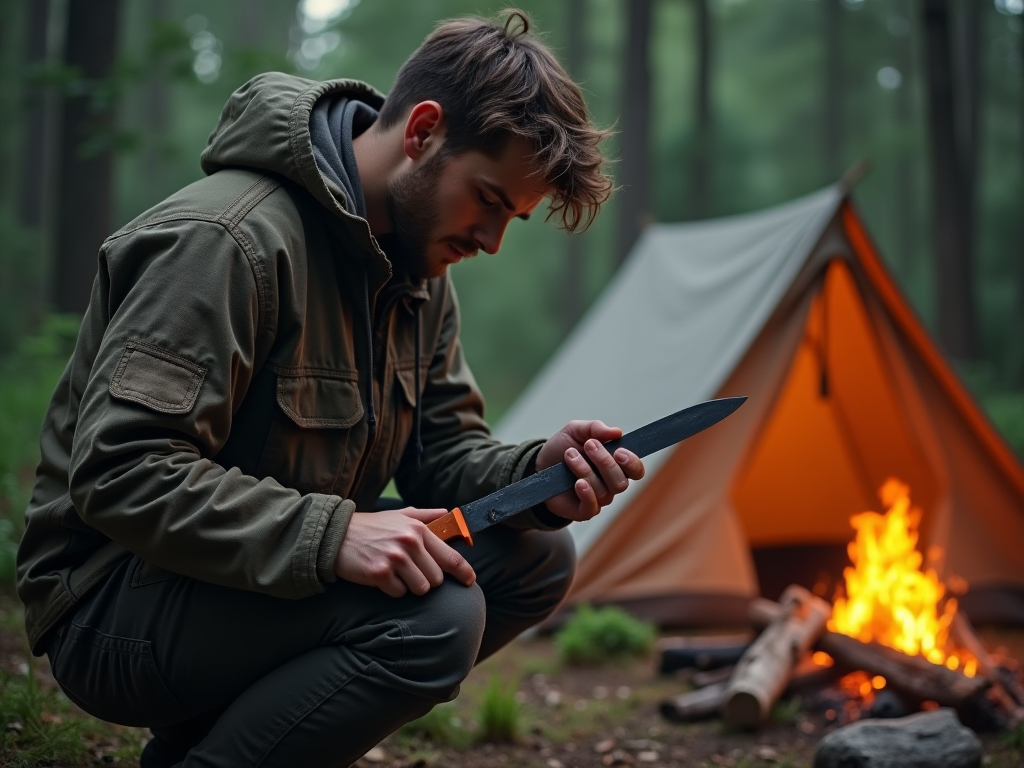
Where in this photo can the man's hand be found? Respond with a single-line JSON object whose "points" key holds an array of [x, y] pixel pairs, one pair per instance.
{"points": [[593, 490], [395, 552]]}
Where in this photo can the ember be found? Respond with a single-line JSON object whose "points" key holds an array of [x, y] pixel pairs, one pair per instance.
{"points": [[889, 599]]}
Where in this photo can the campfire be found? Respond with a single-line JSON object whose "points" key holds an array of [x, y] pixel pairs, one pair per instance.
{"points": [[889, 599], [893, 626]]}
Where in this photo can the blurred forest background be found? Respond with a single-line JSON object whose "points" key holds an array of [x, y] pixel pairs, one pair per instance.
{"points": [[720, 107]]}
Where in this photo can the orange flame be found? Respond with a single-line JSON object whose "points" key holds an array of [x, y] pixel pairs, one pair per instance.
{"points": [[889, 599]]}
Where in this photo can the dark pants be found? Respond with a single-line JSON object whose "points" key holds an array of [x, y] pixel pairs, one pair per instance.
{"points": [[225, 677]]}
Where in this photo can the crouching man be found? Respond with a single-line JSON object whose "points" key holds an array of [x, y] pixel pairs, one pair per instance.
{"points": [[263, 352]]}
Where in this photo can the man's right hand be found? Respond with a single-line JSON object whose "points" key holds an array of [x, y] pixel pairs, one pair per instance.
{"points": [[395, 552]]}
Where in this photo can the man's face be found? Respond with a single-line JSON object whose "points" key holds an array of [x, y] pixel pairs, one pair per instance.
{"points": [[449, 207]]}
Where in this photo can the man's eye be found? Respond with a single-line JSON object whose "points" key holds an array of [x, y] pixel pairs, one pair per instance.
{"points": [[487, 201]]}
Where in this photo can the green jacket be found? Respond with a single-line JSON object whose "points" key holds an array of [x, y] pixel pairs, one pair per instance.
{"points": [[215, 416]]}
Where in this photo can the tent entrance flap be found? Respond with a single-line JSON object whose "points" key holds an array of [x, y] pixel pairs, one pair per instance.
{"points": [[822, 456]]}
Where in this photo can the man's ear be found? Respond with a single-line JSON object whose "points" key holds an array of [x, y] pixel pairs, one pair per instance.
{"points": [[424, 129]]}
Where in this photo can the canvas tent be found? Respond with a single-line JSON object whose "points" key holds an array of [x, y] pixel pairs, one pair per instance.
{"points": [[792, 307]]}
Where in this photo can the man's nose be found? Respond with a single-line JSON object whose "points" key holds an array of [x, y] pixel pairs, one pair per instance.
{"points": [[489, 236]]}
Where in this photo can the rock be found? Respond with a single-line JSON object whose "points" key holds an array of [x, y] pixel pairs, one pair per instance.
{"points": [[924, 740]]}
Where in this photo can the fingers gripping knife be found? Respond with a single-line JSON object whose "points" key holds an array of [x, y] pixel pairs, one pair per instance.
{"points": [[463, 522]]}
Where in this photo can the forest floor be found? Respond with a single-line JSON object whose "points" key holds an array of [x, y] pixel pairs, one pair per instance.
{"points": [[568, 717]]}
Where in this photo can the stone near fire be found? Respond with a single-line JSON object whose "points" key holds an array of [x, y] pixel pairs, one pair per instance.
{"points": [[923, 740]]}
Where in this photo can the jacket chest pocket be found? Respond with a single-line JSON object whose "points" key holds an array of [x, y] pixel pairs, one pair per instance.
{"points": [[316, 434]]}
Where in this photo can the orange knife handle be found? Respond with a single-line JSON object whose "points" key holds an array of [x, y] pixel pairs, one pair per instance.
{"points": [[451, 526]]}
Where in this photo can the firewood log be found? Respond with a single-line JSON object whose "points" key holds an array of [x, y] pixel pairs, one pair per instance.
{"points": [[765, 669], [694, 705], [1005, 688], [911, 675]]}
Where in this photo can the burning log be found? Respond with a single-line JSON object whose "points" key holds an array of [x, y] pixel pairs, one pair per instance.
{"points": [[1005, 688], [912, 675], [764, 670]]}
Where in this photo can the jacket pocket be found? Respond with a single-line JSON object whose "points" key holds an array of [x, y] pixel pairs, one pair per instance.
{"points": [[156, 378], [310, 433], [113, 678]]}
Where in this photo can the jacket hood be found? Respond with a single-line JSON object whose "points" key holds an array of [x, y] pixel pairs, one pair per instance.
{"points": [[265, 126]]}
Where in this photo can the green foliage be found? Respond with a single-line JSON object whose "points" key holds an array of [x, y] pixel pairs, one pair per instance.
{"points": [[440, 726], [594, 636], [1007, 412], [499, 713], [36, 725], [27, 379], [1003, 403]]}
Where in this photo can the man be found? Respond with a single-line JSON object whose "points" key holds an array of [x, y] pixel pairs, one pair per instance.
{"points": [[263, 351]]}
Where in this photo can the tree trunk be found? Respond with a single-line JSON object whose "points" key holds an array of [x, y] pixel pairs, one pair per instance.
{"points": [[904, 207], [1020, 261], [85, 178], [634, 197], [702, 148], [572, 299], [954, 275], [33, 153], [832, 101], [155, 101], [969, 113]]}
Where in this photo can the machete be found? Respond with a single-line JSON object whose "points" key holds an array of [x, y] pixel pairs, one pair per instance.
{"points": [[483, 513]]}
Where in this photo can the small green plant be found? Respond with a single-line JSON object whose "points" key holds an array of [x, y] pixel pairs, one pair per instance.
{"points": [[785, 711], [36, 724], [440, 726], [1014, 738], [594, 636], [499, 713]]}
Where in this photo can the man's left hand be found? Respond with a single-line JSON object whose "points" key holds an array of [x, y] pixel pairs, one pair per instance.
{"points": [[593, 490]]}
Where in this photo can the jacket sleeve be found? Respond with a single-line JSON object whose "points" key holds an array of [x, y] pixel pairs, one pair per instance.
{"points": [[461, 461], [186, 308]]}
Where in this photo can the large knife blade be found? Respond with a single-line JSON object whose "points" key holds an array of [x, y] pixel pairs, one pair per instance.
{"points": [[512, 499]]}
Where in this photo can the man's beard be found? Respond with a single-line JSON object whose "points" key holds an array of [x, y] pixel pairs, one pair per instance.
{"points": [[412, 206]]}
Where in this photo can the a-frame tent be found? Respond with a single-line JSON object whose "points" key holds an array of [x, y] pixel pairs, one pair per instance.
{"points": [[792, 307]]}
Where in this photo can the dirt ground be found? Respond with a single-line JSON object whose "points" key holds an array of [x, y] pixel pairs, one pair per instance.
{"points": [[569, 718]]}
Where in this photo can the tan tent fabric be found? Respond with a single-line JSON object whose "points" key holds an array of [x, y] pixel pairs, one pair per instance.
{"points": [[845, 390]]}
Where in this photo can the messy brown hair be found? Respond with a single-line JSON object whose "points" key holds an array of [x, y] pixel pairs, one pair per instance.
{"points": [[495, 81]]}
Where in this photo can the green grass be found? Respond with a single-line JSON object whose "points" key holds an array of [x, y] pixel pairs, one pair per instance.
{"points": [[596, 636], [499, 714], [441, 726], [37, 724]]}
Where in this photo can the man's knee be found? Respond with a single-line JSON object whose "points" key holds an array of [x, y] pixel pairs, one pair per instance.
{"points": [[432, 642]]}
